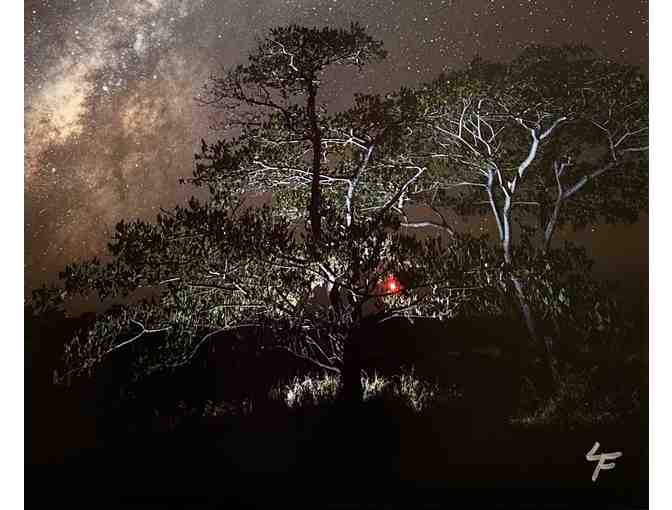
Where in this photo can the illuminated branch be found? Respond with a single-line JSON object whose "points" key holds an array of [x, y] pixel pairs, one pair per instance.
{"points": [[136, 337]]}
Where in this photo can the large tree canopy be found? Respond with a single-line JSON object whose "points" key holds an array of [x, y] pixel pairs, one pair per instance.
{"points": [[558, 134], [535, 134], [220, 266]]}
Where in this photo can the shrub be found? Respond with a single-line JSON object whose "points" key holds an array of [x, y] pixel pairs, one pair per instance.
{"points": [[413, 392], [309, 391], [579, 400]]}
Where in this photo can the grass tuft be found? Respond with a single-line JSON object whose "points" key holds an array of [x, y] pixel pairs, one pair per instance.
{"points": [[413, 392]]}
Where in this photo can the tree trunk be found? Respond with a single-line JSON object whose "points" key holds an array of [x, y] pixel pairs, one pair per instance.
{"points": [[532, 328], [550, 226], [521, 297], [352, 391], [316, 139], [506, 231]]}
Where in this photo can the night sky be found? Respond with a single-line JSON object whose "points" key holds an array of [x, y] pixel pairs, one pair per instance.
{"points": [[111, 122]]}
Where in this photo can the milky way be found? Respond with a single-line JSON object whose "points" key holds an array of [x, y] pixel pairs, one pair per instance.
{"points": [[111, 123]]}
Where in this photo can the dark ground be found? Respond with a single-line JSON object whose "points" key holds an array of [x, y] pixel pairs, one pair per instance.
{"points": [[86, 445]]}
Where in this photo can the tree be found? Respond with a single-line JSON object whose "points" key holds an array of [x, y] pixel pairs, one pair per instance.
{"points": [[558, 134], [219, 266], [283, 77]]}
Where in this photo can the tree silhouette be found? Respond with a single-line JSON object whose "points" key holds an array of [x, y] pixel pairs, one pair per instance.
{"points": [[283, 77], [558, 131], [558, 134], [219, 266], [339, 184]]}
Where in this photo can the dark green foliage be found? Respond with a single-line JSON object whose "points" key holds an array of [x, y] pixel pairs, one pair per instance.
{"points": [[590, 120], [220, 269]]}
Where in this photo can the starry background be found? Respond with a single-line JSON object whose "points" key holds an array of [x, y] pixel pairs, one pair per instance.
{"points": [[111, 121]]}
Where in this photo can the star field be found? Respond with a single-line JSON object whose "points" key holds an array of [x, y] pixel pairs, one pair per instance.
{"points": [[111, 123]]}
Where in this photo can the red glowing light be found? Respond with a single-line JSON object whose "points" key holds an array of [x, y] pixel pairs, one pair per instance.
{"points": [[393, 285]]}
